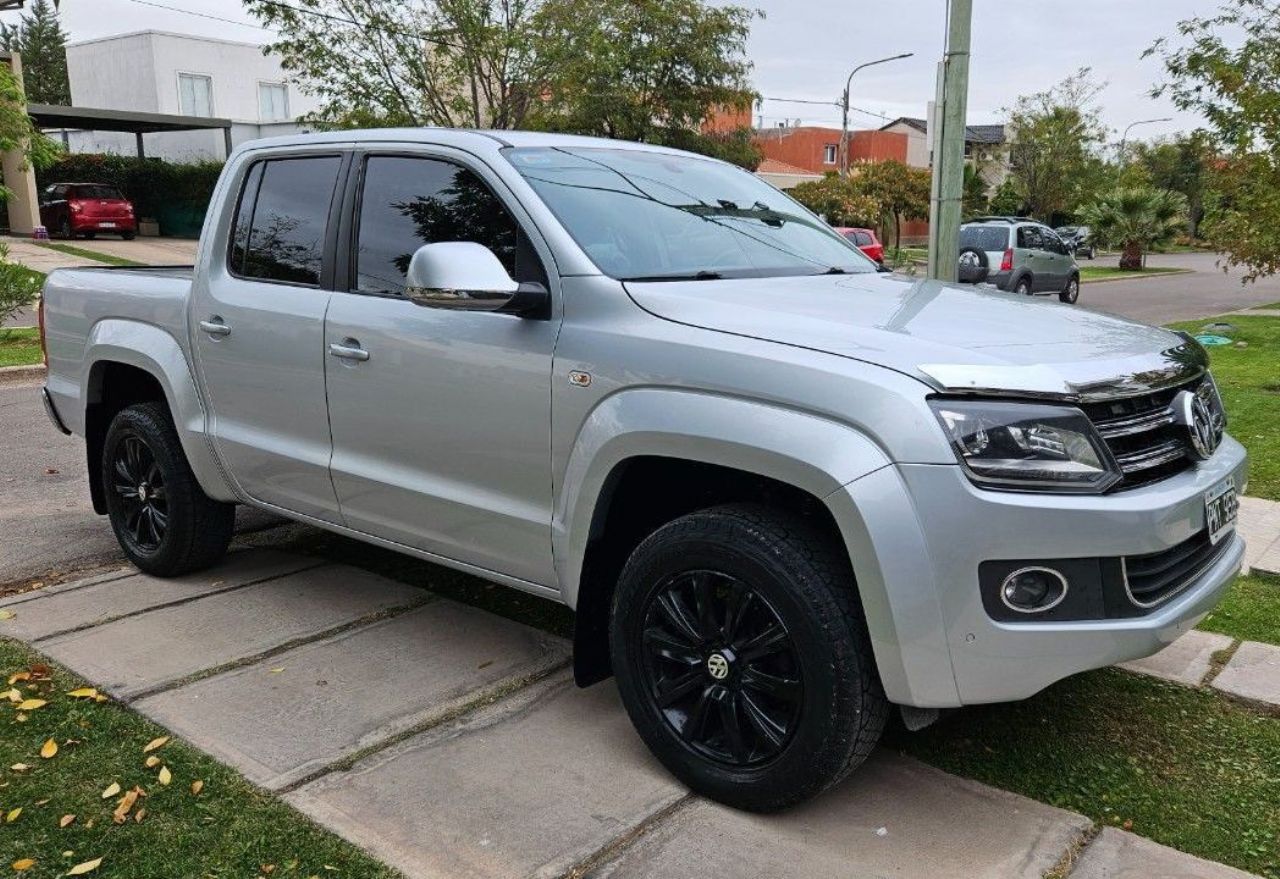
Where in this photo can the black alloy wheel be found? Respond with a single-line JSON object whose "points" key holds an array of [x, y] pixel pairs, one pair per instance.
{"points": [[721, 665], [140, 485], [1071, 292]]}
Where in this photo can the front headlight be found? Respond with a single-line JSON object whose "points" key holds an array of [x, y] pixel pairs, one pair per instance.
{"points": [[1027, 446]]}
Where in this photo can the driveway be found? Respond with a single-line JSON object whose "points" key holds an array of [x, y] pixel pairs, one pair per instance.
{"points": [[1205, 291], [450, 741]]}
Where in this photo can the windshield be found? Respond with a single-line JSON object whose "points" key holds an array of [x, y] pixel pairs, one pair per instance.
{"points": [[653, 216], [984, 237]]}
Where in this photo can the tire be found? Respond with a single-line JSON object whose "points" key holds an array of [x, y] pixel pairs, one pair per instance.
{"points": [[808, 708], [1092, 253], [163, 520], [64, 230], [1071, 292], [128, 236], [1023, 287], [89, 236], [972, 266]]}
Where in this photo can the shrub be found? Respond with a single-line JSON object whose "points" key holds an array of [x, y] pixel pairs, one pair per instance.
{"points": [[175, 194], [19, 285]]}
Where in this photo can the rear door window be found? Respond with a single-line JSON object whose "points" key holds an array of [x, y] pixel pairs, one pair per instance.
{"points": [[96, 191], [282, 220], [1029, 238]]}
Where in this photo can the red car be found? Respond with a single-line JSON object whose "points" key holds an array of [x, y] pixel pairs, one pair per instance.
{"points": [[866, 241], [71, 209]]}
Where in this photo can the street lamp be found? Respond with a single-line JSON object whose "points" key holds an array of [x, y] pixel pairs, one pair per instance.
{"points": [[1124, 137], [844, 105]]}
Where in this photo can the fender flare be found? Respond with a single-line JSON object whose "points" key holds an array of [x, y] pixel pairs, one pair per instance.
{"points": [[811, 453], [154, 351]]}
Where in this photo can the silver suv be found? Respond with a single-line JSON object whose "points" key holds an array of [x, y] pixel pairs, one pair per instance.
{"points": [[1018, 255], [781, 490]]}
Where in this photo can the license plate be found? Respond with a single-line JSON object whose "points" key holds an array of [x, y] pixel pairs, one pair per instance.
{"points": [[1220, 509], [107, 225]]}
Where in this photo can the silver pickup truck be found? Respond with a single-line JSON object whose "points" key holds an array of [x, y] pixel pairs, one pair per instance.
{"points": [[782, 491]]}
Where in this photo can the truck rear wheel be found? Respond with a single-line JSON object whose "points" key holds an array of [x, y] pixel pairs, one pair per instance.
{"points": [[742, 657], [164, 521]]}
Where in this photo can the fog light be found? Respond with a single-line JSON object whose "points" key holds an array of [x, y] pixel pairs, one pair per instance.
{"points": [[1033, 590]]}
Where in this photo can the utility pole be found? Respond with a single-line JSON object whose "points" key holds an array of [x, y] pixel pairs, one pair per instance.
{"points": [[948, 145], [844, 107]]}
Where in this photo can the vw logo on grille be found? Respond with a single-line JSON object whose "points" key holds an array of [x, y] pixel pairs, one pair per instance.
{"points": [[718, 666], [1194, 416]]}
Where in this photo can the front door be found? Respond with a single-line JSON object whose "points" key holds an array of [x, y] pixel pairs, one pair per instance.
{"points": [[258, 326], [441, 419]]}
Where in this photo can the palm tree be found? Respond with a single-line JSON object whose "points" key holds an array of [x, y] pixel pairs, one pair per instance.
{"points": [[1135, 218]]}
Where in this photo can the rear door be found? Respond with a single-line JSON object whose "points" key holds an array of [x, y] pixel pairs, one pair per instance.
{"points": [[258, 329], [1034, 257]]}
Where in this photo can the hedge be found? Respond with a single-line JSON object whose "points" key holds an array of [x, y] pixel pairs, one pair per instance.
{"points": [[175, 194]]}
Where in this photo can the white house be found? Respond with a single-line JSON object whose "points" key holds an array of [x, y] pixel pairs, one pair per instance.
{"points": [[181, 74]]}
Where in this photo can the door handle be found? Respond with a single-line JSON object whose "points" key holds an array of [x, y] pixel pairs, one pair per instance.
{"points": [[215, 327], [349, 349]]}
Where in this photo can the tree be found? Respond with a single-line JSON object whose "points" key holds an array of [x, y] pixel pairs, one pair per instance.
{"points": [[1135, 219], [974, 201], [1052, 134], [900, 191], [1006, 202], [39, 37], [1182, 164], [636, 69], [1226, 67], [838, 201]]}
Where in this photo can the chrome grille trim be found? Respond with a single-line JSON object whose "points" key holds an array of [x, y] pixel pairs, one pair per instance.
{"points": [[1136, 424], [1170, 450]]}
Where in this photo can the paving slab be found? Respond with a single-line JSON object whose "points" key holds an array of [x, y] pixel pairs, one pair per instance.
{"points": [[141, 653], [289, 716], [1253, 673], [1186, 661], [96, 600], [892, 817], [1115, 854], [1260, 528], [528, 787]]}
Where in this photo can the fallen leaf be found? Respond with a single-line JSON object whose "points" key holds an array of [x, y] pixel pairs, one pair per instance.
{"points": [[19, 676], [268, 869], [152, 762], [23, 864], [31, 704], [197, 786], [19, 767], [65, 820], [139, 815], [39, 670], [165, 775], [68, 853], [111, 791], [155, 743], [43, 802], [48, 749], [12, 695], [122, 808], [100, 698], [51, 471], [20, 717], [84, 693], [7, 615], [86, 867], [12, 815], [276, 671]]}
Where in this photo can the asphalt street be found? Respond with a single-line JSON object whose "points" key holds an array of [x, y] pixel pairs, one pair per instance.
{"points": [[1205, 291]]}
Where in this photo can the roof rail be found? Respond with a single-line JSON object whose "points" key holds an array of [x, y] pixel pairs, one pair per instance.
{"points": [[999, 220]]}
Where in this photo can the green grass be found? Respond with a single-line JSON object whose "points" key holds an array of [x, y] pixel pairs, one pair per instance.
{"points": [[19, 346], [1250, 384], [1186, 768], [1250, 612], [1115, 273], [86, 253], [231, 829]]}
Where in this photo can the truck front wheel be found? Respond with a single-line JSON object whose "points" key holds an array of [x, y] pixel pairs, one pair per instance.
{"points": [[164, 521], [742, 656]]}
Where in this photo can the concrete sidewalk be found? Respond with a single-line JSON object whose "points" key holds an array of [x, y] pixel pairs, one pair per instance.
{"points": [[452, 743]]}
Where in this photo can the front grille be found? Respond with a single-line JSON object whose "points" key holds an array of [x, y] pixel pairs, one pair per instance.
{"points": [[1156, 577], [1143, 436]]}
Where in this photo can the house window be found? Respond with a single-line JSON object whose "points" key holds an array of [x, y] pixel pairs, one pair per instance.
{"points": [[273, 102], [829, 154], [195, 94]]}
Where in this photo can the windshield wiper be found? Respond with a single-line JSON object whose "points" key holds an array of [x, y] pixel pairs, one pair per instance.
{"points": [[703, 275]]}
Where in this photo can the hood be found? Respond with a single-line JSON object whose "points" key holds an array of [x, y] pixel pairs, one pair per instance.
{"points": [[953, 337]]}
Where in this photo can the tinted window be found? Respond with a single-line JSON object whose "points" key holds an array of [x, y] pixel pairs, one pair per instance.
{"points": [[1029, 237], [280, 232], [984, 237], [861, 238], [411, 202], [97, 191]]}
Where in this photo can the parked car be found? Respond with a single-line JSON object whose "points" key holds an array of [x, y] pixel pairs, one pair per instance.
{"points": [[865, 240], [784, 493], [1079, 239], [69, 210], [1018, 255]]}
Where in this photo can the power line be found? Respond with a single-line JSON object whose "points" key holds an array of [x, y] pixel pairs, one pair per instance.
{"points": [[198, 14], [830, 104]]}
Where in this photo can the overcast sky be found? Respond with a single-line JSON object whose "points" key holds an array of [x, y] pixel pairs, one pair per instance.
{"points": [[805, 48]]}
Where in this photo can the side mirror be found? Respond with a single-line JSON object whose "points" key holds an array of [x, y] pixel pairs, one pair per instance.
{"points": [[467, 276]]}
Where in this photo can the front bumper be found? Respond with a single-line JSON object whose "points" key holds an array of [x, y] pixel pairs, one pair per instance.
{"points": [[929, 529]]}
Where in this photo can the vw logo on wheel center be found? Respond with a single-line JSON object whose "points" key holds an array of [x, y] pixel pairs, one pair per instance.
{"points": [[718, 666], [1194, 416]]}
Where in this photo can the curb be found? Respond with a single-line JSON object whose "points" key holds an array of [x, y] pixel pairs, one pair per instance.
{"points": [[12, 375], [1137, 276]]}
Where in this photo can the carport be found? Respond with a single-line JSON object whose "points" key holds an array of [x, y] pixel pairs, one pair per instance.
{"points": [[48, 116]]}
